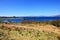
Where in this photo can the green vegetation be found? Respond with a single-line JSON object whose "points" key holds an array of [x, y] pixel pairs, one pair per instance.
{"points": [[25, 34]]}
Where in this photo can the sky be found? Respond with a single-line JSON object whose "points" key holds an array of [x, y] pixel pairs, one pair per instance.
{"points": [[29, 7]]}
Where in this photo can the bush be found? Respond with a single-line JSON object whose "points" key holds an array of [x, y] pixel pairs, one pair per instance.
{"points": [[55, 23]]}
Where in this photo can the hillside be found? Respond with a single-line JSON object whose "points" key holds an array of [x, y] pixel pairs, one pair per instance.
{"points": [[28, 32]]}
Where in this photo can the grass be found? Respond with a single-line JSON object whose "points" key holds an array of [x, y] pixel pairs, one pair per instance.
{"points": [[26, 34]]}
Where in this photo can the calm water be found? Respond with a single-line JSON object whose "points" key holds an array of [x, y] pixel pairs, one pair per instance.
{"points": [[38, 19]]}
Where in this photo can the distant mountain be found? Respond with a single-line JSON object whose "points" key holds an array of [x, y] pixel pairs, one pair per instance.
{"points": [[57, 16], [27, 16]]}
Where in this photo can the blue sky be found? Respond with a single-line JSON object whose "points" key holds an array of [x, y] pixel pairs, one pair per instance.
{"points": [[29, 7]]}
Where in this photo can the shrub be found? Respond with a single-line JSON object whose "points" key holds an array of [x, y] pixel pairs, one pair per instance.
{"points": [[55, 23]]}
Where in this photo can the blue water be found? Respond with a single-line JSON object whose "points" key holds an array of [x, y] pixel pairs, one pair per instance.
{"points": [[38, 19]]}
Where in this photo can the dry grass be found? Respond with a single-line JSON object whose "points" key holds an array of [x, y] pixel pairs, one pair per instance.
{"points": [[28, 32]]}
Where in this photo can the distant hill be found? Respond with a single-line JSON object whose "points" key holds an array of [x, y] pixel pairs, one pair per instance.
{"points": [[56, 16]]}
